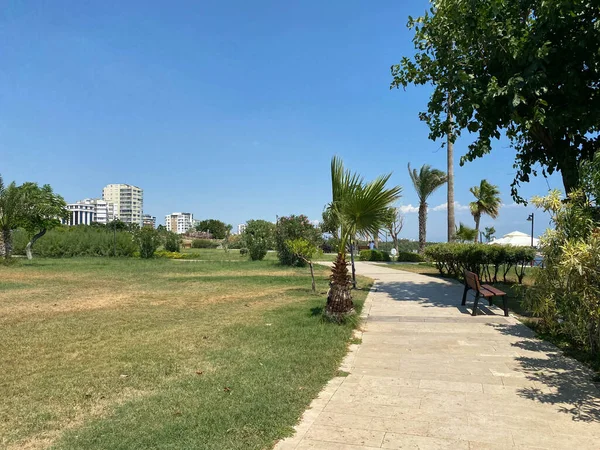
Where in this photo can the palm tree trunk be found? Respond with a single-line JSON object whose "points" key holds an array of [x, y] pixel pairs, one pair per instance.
{"points": [[422, 226], [352, 261], [6, 244], [477, 218], [451, 218], [339, 297]]}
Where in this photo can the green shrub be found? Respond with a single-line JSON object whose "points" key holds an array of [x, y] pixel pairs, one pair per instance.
{"points": [[243, 251], [258, 238], [148, 240], [204, 243], [484, 260], [290, 229], [409, 257], [172, 242], [82, 240], [373, 255]]}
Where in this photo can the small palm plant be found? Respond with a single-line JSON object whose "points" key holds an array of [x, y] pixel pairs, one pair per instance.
{"points": [[11, 211], [426, 181], [358, 208], [487, 201]]}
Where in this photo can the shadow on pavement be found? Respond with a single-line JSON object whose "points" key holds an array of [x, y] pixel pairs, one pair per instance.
{"points": [[563, 381]]}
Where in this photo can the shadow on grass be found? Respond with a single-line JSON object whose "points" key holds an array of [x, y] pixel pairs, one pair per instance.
{"points": [[562, 381], [316, 311]]}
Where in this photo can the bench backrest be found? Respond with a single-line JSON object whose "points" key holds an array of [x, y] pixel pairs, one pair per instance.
{"points": [[472, 280]]}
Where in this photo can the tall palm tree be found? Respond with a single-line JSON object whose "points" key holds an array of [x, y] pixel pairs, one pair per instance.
{"points": [[425, 181], [11, 206], [359, 208], [487, 201]]}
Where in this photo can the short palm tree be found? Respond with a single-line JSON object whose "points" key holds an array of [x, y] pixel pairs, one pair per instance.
{"points": [[465, 233], [425, 181], [11, 206], [358, 208], [487, 201]]}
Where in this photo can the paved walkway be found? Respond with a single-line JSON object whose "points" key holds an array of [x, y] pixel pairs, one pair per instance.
{"points": [[429, 376]]}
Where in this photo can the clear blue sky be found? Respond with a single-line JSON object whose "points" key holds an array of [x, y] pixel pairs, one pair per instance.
{"points": [[229, 109]]}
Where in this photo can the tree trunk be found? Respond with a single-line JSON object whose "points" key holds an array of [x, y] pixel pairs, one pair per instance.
{"points": [[31, 242], [422, 226], [312, 275], [569, 170], [339, 297], [353, 268], [450, 155], [6, 244], [477, 218]]}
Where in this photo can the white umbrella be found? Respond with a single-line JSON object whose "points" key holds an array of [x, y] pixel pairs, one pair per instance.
{"points": [[516, 238]]}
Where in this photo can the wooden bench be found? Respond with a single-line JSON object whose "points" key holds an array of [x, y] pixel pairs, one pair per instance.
{"points": [[482, 290]]}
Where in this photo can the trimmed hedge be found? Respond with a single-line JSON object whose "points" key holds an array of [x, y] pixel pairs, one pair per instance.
{"points": [[487, 261], [409, 257], [373, 255]]}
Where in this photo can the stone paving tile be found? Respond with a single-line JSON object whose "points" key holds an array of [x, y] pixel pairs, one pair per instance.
{"points": [[345, 435], [429, 376], [409, 441]]}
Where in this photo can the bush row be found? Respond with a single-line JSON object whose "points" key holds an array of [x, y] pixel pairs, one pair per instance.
{"points": [[79, 241], [409, 257], [204, 243], [373, 255], [487, 261]]}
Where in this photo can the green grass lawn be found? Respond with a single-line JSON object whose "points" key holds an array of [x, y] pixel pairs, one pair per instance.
{"points": [[133, 354], [213, 254]]}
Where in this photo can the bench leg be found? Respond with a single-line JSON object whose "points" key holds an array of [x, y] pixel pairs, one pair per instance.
{"points": [[505, 304], [491, 300], [474, 313], [464, 299]]}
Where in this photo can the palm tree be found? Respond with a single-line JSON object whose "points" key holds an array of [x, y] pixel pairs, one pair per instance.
{"points": [[487, 201], [465, 233], [11, 206], [426, 181], [488, 233], [358, 208]]}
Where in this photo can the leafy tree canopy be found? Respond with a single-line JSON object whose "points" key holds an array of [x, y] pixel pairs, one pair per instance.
{"points": [[529, 69], [218, 229]]}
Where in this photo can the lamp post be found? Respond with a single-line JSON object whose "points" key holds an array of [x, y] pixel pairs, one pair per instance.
{"points": [[530, 219]]}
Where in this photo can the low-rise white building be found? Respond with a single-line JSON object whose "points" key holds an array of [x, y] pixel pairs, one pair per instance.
{"points": [[179, 222], [90, 210]]}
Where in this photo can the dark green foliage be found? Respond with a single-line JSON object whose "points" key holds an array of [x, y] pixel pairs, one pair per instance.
{"points": [[485, 260], [172, 242], [65, 242], [258, 238], [289, 229], [527, 69], [215, 227], [409, 257], [373, 255], [204, 243], [243, 251], [148, 240]]}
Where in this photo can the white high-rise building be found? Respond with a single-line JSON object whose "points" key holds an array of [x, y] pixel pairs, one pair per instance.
{"points": [[179, 222], [89, 210], [241, 228], [128, 201]]}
